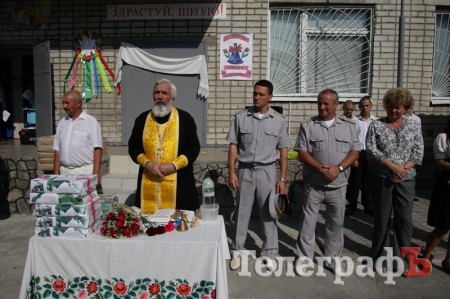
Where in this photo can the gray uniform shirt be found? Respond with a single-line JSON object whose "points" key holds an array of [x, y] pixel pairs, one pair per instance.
{"points": [[329, 146], [258, 139]]}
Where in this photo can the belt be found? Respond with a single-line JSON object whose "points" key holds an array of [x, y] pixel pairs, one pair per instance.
{"points": [[74, 167], [254, 165]]}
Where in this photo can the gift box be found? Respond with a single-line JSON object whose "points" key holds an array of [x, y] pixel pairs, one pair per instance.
{"points": [[66, 209], [71, 232], [72, 183], [84, 221], [63, 198]]}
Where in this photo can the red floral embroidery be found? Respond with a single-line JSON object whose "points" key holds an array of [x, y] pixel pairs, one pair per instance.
{"points": [[154, 289], [59, 285], [184, 289], [92, 287], [120, 288]]}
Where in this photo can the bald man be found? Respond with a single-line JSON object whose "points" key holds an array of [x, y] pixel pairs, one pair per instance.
{"points": [[78, 140]]}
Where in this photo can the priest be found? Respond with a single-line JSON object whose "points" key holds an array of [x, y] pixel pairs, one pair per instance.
{"points": [[165, 144]]}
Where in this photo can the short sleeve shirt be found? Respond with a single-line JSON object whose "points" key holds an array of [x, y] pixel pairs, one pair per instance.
{"points": [[258, 139], [77, 139], [364, 126], [329, 146], [441, 147]]}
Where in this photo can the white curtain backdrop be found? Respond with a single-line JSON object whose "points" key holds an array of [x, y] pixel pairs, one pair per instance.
{"points": [[183, 66]]}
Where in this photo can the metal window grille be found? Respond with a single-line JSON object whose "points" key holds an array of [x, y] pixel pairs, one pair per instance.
{"points": [[316, 48], [440, 90]]}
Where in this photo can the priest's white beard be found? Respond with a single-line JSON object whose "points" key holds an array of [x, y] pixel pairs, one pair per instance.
{"points": [[160, 109]]}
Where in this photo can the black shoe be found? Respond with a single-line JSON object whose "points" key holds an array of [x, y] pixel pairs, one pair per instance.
{"points": [[368, 212], [4, 216], [349, 212], [445, 267]]}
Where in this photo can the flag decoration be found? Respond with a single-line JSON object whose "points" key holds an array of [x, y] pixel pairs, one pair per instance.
{"points": [[87, 71]]}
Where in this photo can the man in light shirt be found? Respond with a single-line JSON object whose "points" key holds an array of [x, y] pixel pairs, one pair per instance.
{"points": [[359, 175], [78, 140]]}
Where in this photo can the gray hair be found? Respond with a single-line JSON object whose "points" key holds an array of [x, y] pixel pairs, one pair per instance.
{"points": [[330, 91], [173, 88]]}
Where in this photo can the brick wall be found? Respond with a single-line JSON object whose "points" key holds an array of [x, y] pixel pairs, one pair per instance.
{"points": [[70, 18]]}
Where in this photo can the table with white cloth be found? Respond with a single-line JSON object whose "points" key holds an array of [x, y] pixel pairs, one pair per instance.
{"points": [[189, 264]]}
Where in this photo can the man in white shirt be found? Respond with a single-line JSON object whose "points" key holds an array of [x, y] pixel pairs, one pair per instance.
{"points": [[359, 175], [78, 140]]}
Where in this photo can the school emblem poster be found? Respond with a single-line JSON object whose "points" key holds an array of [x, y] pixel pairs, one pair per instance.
{"points": [[236, 59]]}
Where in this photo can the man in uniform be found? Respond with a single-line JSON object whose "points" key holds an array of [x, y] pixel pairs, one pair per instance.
{"points": [[165, 144], [327, 145], [258, 137]]}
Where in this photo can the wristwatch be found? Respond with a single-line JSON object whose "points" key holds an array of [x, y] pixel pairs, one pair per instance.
{"points": [[283, 180], [341, 169]]}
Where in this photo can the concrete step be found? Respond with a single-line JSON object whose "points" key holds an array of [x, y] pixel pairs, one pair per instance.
{"points": [[119, 180], [122, 178], [122, 164]]}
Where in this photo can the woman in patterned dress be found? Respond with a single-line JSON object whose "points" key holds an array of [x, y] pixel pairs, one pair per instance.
{"points": [[439, 211], [394, 147]]}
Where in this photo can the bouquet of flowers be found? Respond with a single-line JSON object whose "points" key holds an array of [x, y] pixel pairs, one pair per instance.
{"points": [[122, 221]]}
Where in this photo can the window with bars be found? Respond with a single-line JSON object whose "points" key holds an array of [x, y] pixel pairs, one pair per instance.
{"points": [[440, 90], [316, 48]]}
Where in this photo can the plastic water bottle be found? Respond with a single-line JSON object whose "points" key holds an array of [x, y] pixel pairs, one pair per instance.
{"points": [[208, 191]]}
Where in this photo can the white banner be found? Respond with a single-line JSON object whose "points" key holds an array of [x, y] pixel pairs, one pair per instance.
{"points": [[236, 59], [166, 11]]}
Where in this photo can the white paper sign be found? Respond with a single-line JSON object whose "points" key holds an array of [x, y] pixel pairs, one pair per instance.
{"points": [[236, 59]]}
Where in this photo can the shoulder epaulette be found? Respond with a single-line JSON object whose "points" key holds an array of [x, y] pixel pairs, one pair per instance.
{"points": [[341, 117], [278, 113]]}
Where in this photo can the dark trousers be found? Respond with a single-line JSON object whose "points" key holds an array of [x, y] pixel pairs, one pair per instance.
{"points": [[359, 180], [4, 190], [391, 198]]}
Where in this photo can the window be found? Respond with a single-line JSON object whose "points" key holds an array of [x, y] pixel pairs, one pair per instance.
{"points": [[316, 48], [440, 90]]}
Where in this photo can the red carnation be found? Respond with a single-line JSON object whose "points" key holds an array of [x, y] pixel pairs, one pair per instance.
{"points": [[127, 231], [114, 233], [169, 227], [151, 231], [160, 230], [121, 215], [110, 216], [135, 226], [120, 223]]}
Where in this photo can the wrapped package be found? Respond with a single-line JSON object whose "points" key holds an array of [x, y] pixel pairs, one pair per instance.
{"points": [[67, 209], [84, 221], [71, 232], [62, 198], [72, 184]]}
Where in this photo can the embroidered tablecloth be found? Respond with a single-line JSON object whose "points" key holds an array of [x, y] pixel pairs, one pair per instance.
{"points": [[189, 264]]}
